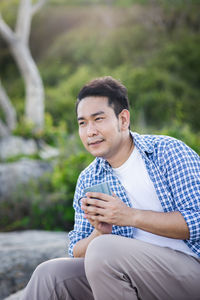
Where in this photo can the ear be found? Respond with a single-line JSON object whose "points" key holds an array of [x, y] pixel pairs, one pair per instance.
{"points": [[124, 119]]}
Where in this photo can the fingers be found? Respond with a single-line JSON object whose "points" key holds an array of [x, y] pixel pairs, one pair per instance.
{"points": [[95, 219], [92, 209], [97, 199], [98, 203], [101, 207], [100, 196], [93, 202]]}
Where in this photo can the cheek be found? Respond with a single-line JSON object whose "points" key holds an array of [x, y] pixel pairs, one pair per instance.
{"points": [[82, 135]]}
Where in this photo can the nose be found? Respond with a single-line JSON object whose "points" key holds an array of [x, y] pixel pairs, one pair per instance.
{"points": [[91, 129]]}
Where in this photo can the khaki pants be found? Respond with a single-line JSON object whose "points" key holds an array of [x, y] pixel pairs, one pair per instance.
{"points": [[118, 268]]}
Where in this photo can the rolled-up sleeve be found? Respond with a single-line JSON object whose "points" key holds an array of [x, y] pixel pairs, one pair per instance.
{"points": [[183, 173], [82, 227]]}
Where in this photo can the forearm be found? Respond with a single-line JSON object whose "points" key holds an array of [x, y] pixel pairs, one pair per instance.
{"points": [[171, 224], [113, 211], [81, 246]]}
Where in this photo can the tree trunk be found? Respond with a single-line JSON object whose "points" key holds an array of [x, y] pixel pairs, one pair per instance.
{"points": [[34, 104], [18, 44], [4, 130], [9, 111]]}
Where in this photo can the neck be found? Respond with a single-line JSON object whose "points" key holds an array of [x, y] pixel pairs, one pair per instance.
{"points": [[123, 153]]}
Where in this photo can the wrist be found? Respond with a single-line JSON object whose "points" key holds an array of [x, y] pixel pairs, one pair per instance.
{"points": [[135, 216], [96, 232]]}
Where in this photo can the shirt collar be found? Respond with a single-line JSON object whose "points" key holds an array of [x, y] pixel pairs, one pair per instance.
{"points": [[143, 145], [145, 148], [102, 165]]}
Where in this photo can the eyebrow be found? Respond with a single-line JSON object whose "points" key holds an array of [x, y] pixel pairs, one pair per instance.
{"points": [[92, 115]]}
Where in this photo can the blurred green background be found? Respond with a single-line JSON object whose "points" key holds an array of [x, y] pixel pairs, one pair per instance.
{"points": [[153, 47]]}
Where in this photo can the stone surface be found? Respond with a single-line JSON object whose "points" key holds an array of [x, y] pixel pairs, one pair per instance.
{"points": [[21, 252], [15, 296], [14, 145], [46, 151], [20, 172]]}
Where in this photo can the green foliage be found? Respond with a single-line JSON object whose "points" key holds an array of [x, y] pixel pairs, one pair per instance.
{"points": [[160, 70], [24, 128], [152, 47], [163, 89], [52, 75], [51, 134], [45, 203], [160, 95], [8, 9], [66, 172], [183, 133], [180, 62], [89, 2], [54, 134], [20, 156], [158, 63], [61, 98], [177, 130]]}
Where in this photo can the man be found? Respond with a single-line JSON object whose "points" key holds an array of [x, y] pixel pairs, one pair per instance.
{"points": [[143, 241]]}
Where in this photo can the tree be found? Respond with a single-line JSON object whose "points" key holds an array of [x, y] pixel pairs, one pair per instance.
{"points": [[18, 42], [9, 112]]}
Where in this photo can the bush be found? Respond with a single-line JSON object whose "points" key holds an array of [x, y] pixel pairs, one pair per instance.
{"points": [[45, 203], [61, 99], [183, 133]]}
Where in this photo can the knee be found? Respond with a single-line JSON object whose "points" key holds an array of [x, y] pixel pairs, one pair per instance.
{"points": [[93, 256], [45, 270], [99, 248], [99, 253]]}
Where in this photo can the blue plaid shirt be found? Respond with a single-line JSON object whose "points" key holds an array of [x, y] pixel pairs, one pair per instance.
{"points": [[174, 169]]}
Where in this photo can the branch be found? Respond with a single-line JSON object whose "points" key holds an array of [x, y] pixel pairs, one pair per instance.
{"points": [[6, 32], [24, 18], [4, 131], [23, 25], [10, 113], [38, 5]]}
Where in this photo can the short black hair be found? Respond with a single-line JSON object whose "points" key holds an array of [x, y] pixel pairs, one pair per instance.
{"points": [[108, 87]]}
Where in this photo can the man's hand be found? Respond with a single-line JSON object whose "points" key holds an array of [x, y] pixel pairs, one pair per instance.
{"points": [[101, 208], [103, 211], [111, 210], [101, 227]]}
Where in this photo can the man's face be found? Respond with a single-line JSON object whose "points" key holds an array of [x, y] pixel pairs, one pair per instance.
{"points": [[99, 128]]}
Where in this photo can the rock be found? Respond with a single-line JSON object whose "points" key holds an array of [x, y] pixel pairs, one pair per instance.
{"points": [[14, 145], [46, 151], [15, 296], [21, 252], [20, 172]]}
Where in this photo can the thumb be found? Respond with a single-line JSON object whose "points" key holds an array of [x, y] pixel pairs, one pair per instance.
{"points": [[114, 195]]}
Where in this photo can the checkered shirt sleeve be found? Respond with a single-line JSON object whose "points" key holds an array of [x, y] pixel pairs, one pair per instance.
{"points": [[183, 175]]}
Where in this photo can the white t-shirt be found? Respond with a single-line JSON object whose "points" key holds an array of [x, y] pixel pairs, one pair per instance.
{"points": [[142, 194]]}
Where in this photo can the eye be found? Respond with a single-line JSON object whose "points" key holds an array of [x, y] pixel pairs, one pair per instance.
{"points": [[81, 123], [99, 118]]}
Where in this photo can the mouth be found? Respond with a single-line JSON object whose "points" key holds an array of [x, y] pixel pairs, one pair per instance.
{"points": [[94, 143]]}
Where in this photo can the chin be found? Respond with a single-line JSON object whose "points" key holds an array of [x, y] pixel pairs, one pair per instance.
{"points": [[96, 154]]}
